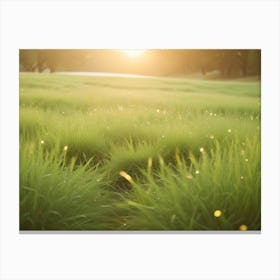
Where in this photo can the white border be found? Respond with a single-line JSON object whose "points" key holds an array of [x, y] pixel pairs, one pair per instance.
{"points": [[153, 24]]}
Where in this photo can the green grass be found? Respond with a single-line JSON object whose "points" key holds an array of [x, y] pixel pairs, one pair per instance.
{"points": [[78, 133]]}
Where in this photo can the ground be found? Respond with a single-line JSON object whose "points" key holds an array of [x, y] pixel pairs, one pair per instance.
{"points": [[117, 153]]}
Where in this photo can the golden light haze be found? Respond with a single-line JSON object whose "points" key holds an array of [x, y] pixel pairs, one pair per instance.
{"points": [[222, 63], [133, 53]]}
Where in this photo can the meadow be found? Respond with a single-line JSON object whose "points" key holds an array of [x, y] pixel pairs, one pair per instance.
{"points": [[116, 153]]}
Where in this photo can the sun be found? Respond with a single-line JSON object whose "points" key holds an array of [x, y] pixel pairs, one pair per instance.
{"points": [[134, 53]]}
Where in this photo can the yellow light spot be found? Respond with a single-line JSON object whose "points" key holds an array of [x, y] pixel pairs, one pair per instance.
{"points": [[211, 137], [241, 177], [217, 213], [126, 176], [201, 150], [197, 172], [229, 130], [158, 110], [65, 148], [150, 162], [246, 159], [243, 227], [42, 142], [189, 177]]}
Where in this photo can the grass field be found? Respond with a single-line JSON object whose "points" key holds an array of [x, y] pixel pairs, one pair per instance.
{"points": [[108, 153]]}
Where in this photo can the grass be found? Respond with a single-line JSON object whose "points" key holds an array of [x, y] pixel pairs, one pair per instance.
{"points": [[108, 153]]}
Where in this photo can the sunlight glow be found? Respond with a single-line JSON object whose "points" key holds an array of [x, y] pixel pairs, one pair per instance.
{"points": [[150, 163], [243, 227], [126, 176], [133, 53], [217, 213]]}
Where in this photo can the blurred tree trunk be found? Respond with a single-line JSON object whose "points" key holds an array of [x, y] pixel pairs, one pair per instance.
{"points": [[243, 56]]}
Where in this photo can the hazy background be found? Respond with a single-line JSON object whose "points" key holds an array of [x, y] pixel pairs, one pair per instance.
{"points": [[216, 64]]}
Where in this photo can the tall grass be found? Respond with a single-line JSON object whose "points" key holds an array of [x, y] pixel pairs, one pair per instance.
{"points": [[188, 148], [186, 196], [59, 196]]}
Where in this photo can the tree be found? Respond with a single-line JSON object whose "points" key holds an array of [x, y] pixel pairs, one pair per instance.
{"points": [[243, 61], [28, 60]]}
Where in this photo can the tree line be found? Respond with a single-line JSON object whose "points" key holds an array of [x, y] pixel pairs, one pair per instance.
{"points": [[227, 62]]}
